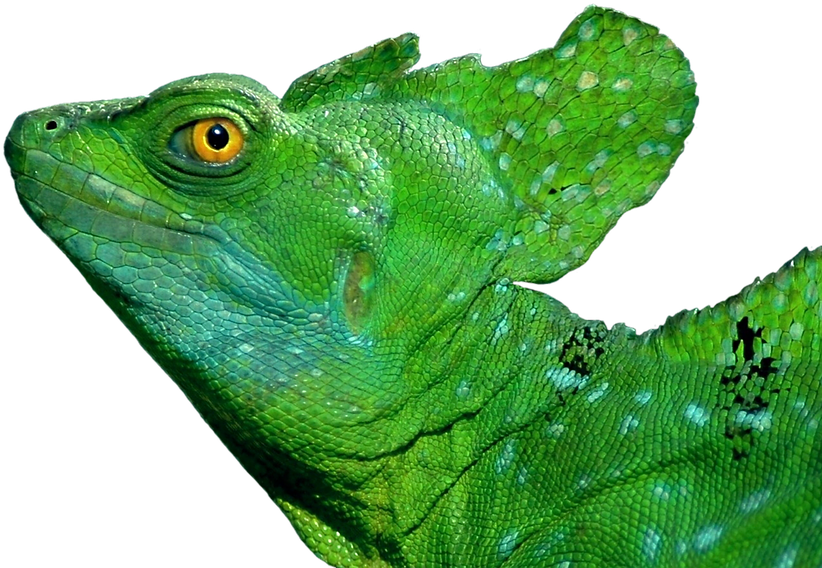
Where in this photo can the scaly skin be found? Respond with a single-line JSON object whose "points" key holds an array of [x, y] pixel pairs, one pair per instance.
{"points": [[337, 303]]}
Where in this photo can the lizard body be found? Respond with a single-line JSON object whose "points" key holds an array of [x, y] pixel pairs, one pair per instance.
{"points": [[439, 417]]}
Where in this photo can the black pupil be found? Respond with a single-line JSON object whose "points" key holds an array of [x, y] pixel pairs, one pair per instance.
{"points": [[217, 137]]}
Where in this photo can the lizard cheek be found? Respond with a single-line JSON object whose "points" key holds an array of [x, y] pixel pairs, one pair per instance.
{"points": [[359, 290]]}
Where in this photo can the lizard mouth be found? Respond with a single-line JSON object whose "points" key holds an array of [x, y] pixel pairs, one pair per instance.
{"points": [[63, 199]]}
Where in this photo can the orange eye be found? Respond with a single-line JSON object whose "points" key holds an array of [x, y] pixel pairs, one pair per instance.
{"points": [[216, 140]]}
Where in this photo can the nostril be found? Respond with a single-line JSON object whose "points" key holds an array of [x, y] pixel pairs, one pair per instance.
{"points": [[51, 125]]}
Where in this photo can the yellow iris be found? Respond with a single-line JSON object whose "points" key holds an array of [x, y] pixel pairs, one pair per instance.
{"points": [[216, 140]]}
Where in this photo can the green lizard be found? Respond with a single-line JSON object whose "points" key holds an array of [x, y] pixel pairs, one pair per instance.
{"points": [[441, 415]]}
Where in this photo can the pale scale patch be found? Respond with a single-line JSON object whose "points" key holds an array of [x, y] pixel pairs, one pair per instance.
{"points": [[622, 84], [602, 188], [587, 80], [501, 329], [661, 491], [629, 424], [491, 142], [755, 500], [696, 414], [788, 557], [642, 397], [598, 392], [504, 161], [456, 296], [535, 185], [515, 128], [498, 241], [505, 457], [564, 378], [540, 87], [651, 545], [627, 119], [554, 127], [555, 430], [588, 30], [646, 148], [566, 51], [599, 160], [760, 420], [507, 544], [525, 84], [549, 172], [463, 389], [707, 537], [540, 226]]}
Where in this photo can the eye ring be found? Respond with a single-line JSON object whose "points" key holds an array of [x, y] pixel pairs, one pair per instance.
{"points": [[216, 140]]}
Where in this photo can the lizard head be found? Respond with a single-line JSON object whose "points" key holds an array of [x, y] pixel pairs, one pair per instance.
{"points": [[284, 259], [260, 255]]}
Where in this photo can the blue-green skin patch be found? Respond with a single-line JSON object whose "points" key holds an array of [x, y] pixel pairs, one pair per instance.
{"points": [[338, 303]]}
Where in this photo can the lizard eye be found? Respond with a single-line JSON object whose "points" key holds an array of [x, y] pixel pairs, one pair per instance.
{"points": [[216, 140]]}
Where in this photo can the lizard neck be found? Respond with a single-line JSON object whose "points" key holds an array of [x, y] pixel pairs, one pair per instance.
{"points": [[507, 365]]}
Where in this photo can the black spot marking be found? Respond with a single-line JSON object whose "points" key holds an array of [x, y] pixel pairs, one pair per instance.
{"points": [[749, 383], [583, 348], [738, 455], [745, 335]]}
